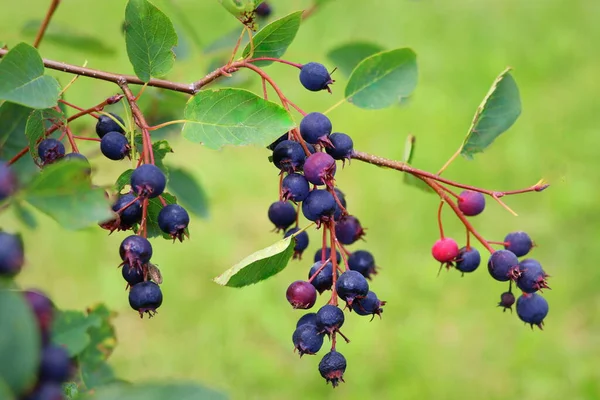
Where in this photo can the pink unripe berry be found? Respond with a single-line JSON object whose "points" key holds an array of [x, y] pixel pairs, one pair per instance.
{"points": [[471, 203], [445, 250], [301, 294]]}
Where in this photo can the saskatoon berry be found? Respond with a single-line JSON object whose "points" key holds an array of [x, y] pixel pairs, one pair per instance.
{"points": [[348, 230], [43, 309], [11, 254], [8, 181], [324, 279], [370, 305], [332, 367], [319, 168], [263, 9], [507, 299], [532, 309], [145, 297], [132, 275], [81, 158], [362, 261], [315, 128], [315, 77], [115, 146], [148, 180], [280, 139], [352, 286], [307, 339], [295, 187], [531, 276], [301, 240], [50, 150], [135, 250], [289, 156], [301, 294], [55, 365], [47, 391], [471, 203], [319, 255], [502, 265], [519, 243], [132, 214], [319, 205], [105, 124], [445, 250], [307, 319], [329, 319], [468, 259], [282, 214], [342, 146], [173, 219]]}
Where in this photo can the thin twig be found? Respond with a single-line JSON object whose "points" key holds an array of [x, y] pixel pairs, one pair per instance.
{"points": [[140, 121], [45, 22]]}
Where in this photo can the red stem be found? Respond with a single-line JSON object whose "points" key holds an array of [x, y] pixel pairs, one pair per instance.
{"points": [[293, 64], [140, 121], [45, 22], [439, 216], [76, 107], [143, 231], [318, 271], [87, 138], [334, 297]]}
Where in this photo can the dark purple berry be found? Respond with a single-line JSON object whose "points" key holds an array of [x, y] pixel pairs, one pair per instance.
{"points": [[362, 261], [43, 309], [319, 168], [80, 158], [370, 305], [531, 276], [471, 203], [135, 251], [132, 275], [315, 77], [289, 156], [280, 139], [55, 365], [315, 128], [263, 9], [115, 146], [148, 180], [342, 146], [301, 294], [301, 240], [468, 259], [519, 243], [329, 319], [50, 150], [282, 214], [295, 187], [502, 265], [332, 367], [130, 215], [310, 319], [445, 250], [319, 255], [145, 297], [11, 254], [324, 278], [348, 230], [319, 206], [307, 339], [532, 309], [173, 220], [106, 124], [507, 299], [352, 286], [47, 391], [8, 181]]}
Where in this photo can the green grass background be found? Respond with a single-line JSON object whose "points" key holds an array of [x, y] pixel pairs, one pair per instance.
{"points": [[440, 337]]}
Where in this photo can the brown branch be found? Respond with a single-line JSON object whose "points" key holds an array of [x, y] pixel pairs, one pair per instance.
{"points": [[42, 30], [140, 121]]}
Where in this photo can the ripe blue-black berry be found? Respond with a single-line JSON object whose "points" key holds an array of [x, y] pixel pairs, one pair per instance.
{"points": [[362, 261], [329, 319], [289, 156], [315, 77], [145, 297], [531, 276], [307, 339], [282, 214], [132, 275], [332, 367], [130, 215], [445, 250], [81, 158], [43, 309], [532, 309], [315, 128], [295, 187], [519, 243], [324, 279], [135, 250], [105, 124], [502, 265], [471, 203], [310, 319], [507, 299], [173, 220], [148, 180], [50, 150], [55, 365], [468, 259], [319, 205], [352, 286], [47, 391], [263, 9], [280, 139], [319, 255], [342, 146], [319, 168], [338, 211], [348, 230], [370, 305], [301, 241], [8, 181], [11, 254], [115, 146], [301, 294]]}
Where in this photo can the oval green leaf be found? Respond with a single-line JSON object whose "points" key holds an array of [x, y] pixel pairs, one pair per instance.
{"points": [[154, 207], [259, 266], [150, 38], [23, 80], [409, 152], [188, 191], [154, 391], [35, 130], [274, 39], [497, 112], [70, 330], [346, 57], [383, 79], [234, 116]]}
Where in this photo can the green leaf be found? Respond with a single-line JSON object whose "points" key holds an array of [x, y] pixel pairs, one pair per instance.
{"points": [[63, 191], [189, 193], [24, 215], [155, 391], [234, 116], [383, 79], [160, 106], [154, 207], [92, 361], [243, 10], [409, 152], [13, 119], [70, 390], [5, 392], [274, 39], [23, 80], [409, 147], [346, 57], [226, 42], [499, 110], [19, 342], [70, 329], [123, 180], [35, 130], [150, 38], [259, 266]]}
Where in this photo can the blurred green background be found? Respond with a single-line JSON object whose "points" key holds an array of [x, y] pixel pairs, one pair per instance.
{"points": [[440, 337]]}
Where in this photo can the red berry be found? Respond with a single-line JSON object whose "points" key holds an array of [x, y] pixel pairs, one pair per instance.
{"points": [[301, 294], [445, 250], [471, 203]]}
